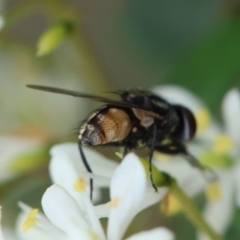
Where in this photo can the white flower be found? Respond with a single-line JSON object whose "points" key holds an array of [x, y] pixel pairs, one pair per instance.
{"points": [[218, 147], [16, 155], [71, 215], [188, 177], [66, 167], [219, 212]]}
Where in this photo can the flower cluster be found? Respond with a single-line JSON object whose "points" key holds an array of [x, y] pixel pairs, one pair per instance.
{"points": [[217, 146], [69, 213]]}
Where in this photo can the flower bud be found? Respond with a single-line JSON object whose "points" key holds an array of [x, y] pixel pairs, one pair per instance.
{"points": [[53, 37]]}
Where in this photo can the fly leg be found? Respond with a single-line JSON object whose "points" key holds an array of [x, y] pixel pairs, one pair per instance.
{"points": [[125, 150], [152, 148], [87, 166], [175, 148]]}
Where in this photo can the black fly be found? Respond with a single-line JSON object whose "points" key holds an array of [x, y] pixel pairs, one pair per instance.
{"points": [[139, 116]]}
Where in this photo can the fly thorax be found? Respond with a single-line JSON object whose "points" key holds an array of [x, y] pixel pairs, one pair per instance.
{"points": [[145, 117]]}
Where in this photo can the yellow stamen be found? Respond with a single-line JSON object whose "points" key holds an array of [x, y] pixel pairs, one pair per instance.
{"points": [[93, 236], [213, 191], [30, 220], [222, 144], [203, 119], [173, 206], [115, 201], [80, 185]]}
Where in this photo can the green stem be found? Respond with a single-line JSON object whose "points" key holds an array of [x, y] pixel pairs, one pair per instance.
{"points": [[192, 211]]}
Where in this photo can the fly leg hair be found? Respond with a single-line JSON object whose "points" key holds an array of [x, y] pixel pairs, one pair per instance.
{"points": [[87, 166], [176, 147], [152, 148]]}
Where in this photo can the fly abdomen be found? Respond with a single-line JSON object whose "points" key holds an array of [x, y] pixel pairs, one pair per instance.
{"points": [[106, 126]]}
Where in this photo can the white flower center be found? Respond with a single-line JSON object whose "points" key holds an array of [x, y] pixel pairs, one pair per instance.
{"points": [[222, 143], [203, 119], [213, 191], [93, 236], [80, 185], [171, 205], [115, 202], [30, 220]]}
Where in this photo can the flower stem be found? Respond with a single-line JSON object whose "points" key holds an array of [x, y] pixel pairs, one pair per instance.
{"points": [[192, 212]]}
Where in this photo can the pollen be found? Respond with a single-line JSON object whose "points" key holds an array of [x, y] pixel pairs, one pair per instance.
{"points": [[222, 144], [115, 202], [80, 185], [203, 119], [213, 191], [30, 220], [93, 236], [172, 206]]}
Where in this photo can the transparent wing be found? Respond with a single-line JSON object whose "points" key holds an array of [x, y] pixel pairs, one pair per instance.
{"points": [[83, 95]]}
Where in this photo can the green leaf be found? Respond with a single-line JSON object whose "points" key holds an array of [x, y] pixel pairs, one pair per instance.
{"points": [[53, 37], [209, 69]]}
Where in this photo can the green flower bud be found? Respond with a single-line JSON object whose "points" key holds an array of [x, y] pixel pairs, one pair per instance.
{"points": [[53, 37]]}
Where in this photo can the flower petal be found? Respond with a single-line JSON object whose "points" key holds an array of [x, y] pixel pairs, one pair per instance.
{"points": [[189, 178], [178, 95], [127, 190], [99, 164], [218, 214], [151, 197], [102, 210], [64, 212], [42, 229], [231, 113], [154, 234], [11, 149], [237, 182], [9, 233], [67, 170]]}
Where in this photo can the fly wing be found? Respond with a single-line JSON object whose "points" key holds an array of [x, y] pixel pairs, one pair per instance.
{"points": [[84, 95]]}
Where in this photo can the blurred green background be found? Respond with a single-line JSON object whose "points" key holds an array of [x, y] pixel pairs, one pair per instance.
{"points": [[110, 45]]}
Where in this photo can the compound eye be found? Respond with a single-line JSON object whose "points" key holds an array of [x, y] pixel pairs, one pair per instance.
{"points": [[188, 125]]}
